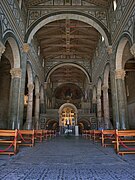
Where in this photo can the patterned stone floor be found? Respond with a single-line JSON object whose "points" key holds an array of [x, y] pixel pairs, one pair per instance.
{"points": [[67, 159]]}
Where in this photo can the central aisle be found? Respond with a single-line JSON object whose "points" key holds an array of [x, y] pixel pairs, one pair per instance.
{"points": [[68, 159]]}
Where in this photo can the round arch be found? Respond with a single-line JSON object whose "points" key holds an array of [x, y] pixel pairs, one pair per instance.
{"points": [[70, 15], [67, 104], [11, 39], [120, 49], [64, 64]]}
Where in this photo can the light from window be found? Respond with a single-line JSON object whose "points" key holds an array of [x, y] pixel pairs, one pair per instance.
{"points": [[103, 38], [114, 5]]}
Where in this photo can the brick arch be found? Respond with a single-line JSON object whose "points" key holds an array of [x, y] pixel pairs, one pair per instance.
{"points": [[70, 15]]}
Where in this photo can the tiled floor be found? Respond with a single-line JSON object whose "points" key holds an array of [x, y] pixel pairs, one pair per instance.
{"points": [[67, 159]]}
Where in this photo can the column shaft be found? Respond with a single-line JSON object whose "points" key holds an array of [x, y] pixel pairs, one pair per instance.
{"points": [[106, 108], [37, 111], [29, 106], [14, 98]]}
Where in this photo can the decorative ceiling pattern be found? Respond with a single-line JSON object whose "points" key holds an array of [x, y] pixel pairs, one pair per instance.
{"points": [[98, 3]]}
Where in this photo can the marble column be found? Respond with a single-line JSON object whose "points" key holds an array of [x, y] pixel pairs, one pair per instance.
{"points": [[14, 120], [99, 113], [24, 57], [90, 97], [45, 97], [42, 102], [2, 49], [29, 106], [122, 104], [106, 107], [116, 123], [94, 106], [37, 110]]}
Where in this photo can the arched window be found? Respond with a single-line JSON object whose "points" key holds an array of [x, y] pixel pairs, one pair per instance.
{"points": [[114, 4]]}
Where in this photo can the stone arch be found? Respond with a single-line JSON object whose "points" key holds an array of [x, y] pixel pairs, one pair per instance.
{"points": [[11, 39], [70, 15], [68, 104], [124, 39], [72, 64]]}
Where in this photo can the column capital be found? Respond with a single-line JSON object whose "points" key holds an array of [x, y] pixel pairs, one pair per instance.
{"points": [[132, 50], [16, 72], [120, 74], [109, 49], [26, 47], [2, 49], [30, 87]]}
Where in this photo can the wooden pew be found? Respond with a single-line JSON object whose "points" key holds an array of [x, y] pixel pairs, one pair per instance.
{"points": [[107, 137], [8, 138], [38, 135], [96, 135], [27, 137], [126, 140], [45, 134]]}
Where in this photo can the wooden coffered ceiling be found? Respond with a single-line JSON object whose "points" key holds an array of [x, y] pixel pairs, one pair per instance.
{"points": [[68, 74], [67, 39]]}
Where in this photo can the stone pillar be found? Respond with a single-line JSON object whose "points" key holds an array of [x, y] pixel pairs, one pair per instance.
{"points": [[14, 120], [45, 98], [106, 107], [29, 106], [2, 49], [115, 110], [90, 97], [37, 110], [122, 104], [99, 114], [24, 57], [42, 102], [94, 106]]}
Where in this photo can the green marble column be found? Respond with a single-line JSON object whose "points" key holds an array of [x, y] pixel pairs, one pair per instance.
{"points": [[42, 102], [37, 110], [14, 98], [107, 124], [116, 123], [99, 114], [29, 107], [122, 104]]}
